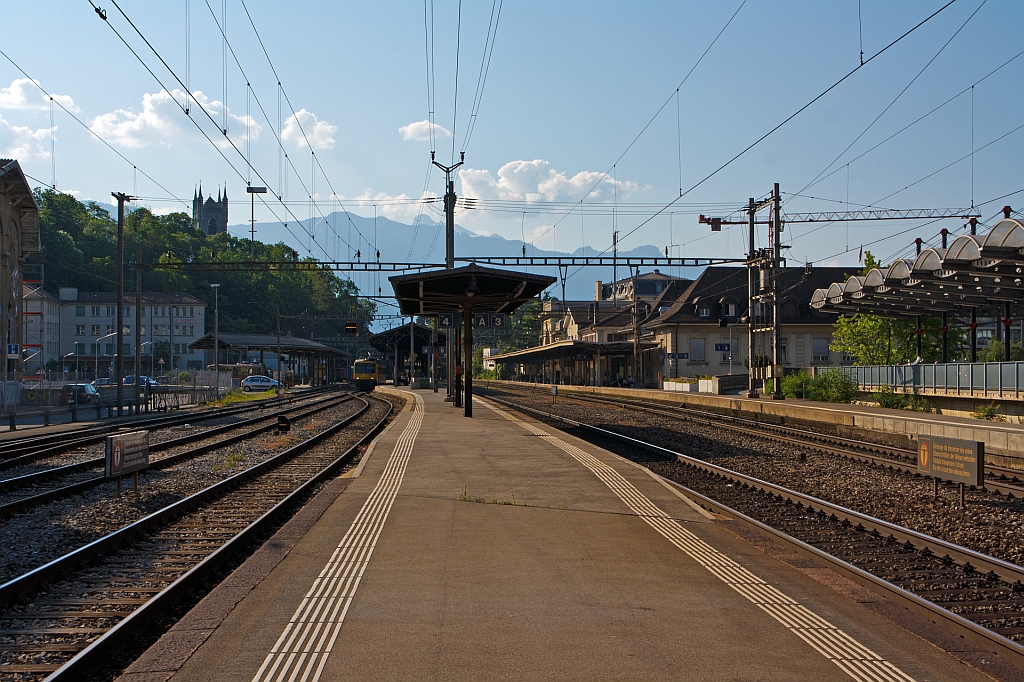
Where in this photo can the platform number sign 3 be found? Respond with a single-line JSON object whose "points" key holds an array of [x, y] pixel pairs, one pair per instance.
{"points": [[498, 321]]}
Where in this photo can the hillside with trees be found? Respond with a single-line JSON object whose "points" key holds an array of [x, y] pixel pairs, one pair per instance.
{"points": [[79, 249]]}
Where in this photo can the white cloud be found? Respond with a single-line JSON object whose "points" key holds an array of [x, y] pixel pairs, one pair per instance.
{"points": [[537, 181], [399, 207], [162, 121], [23, 143], [320, 133], [23, 94], [420, 131]]}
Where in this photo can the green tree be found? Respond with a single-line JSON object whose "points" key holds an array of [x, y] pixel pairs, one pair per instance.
{"points": [[874, 340], [994, 352], [79, 249]]}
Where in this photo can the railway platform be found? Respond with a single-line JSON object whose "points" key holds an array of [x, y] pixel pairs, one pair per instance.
{"points": [[500, 548]]}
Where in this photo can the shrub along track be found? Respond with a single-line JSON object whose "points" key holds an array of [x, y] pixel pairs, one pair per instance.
{"points": [[69, 617], [970, 592]]}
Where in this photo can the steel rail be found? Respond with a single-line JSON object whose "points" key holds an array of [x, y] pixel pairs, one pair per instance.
{"points": [[62, 442], [957, 624], [840, 446], [59, 567], [81, 486], [99, 652]]}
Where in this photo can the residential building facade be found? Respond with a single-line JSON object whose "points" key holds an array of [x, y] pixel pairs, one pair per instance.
{"points": [[88, 332], [19, 238]]}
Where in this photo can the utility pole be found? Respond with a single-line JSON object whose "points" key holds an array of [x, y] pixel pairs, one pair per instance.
{"points": [[751, 292], [253, 191], [138, 328], [119, 318], [615, 266], [777, 369], [280, 373], [449, 255], [216, 338]]}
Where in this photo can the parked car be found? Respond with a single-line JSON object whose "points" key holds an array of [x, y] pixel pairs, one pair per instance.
{"points": [[102, 382], [144, 381], [81, 394], [257, 382]]}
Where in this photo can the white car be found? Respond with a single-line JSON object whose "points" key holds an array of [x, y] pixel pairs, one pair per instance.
{"points": [[258, 382]]}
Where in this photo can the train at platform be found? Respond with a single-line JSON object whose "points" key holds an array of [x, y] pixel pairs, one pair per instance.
{"points": [[367, 373]]}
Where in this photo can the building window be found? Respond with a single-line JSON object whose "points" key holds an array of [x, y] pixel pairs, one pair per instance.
{"points": [[177, 330], [191, 330], [191, 311], [94, 310], [111, 310], [109, 349], [79, 348], [110, 329], [704, 310], [696, 350], [729, 309], [79, 311], [127, 310], [820, 350], [127, 349], [127, 329], [142, 330], [79, 330], [94, 329], [92, 348]]}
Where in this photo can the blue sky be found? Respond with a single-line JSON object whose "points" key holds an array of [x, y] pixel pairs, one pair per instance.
{"points": [[569, 87]]}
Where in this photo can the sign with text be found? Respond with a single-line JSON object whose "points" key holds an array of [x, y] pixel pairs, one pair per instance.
{"points": [[449, 320], [490, 320], [126, 453], [951, 459], [677, 356], [723, 347], [14, 351]]}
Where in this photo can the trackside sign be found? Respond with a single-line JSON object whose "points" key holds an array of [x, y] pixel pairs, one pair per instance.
{"points": [[960, 461], [126, 453]]}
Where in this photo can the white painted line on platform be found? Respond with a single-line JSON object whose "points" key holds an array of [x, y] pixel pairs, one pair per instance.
{"points": [[302, 649], [851, 656]]}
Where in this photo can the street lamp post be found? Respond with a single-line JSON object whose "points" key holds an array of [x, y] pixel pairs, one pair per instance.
{"points": [[216, 338]]}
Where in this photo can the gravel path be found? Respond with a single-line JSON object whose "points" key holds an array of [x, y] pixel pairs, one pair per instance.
{"points": [[991, 524], [51, 530]]}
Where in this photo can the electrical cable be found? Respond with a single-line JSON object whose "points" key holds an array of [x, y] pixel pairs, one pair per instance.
{"points": [[604, 175], [784, 122], [86, 126], [897, 97], [458, 48], [485, 67]]}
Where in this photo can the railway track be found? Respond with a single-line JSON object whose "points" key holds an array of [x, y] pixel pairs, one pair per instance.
{"points": [[31, 489], [19, 451], [998, 479], [66, 619], [976, 596]]}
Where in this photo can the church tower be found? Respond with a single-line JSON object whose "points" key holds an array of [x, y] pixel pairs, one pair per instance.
{"points": [[210, 215]]}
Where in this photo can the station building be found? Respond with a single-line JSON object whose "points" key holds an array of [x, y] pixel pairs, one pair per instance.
{"points": [[687, 328]]}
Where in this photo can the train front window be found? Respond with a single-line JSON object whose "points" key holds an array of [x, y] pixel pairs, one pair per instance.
{"points": [[365, 368]]}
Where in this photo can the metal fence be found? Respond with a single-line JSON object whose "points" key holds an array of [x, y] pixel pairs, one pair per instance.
{"points": [[983, 379]]}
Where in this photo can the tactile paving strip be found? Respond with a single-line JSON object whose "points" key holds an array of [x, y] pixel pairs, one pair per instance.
{"points": [[302, 650], [855, 659]]}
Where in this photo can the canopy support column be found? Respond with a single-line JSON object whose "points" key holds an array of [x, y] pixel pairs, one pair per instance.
{"points": [[945, 330], [974, 334]]}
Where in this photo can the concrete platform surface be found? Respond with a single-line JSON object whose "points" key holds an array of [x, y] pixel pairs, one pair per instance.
{"points": [[497, 548]]}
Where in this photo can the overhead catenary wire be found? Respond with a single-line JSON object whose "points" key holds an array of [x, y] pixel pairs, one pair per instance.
{"points": [[604, 176], [917, 120], [85, 125], [897, 97], [485, 67], [455, 105], [783, 122]]}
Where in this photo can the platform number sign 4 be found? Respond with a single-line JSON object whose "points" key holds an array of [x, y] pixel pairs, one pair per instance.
{"points": [[449, 320]]}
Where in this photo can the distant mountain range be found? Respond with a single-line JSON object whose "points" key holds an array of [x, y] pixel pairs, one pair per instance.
{"points": [[401, 242]]}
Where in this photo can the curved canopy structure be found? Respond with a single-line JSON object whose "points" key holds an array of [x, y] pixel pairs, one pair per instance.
{"points": [[983, 273]]}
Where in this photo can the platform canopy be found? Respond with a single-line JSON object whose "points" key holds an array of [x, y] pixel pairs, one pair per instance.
{"points": [[482, 290], [264, 342], [398, 338], [571, 349], [984, 273]]}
